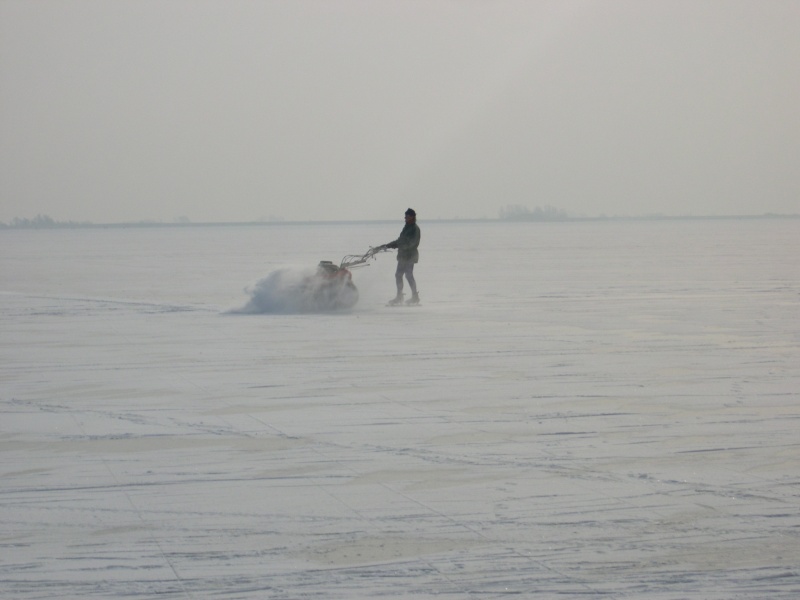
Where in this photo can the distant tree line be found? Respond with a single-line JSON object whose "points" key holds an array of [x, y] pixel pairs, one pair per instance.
{"points": [[41, 222], [516, 212]]}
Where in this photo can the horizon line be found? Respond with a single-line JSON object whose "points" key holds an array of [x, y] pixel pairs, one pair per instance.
{"points": [[45, 222]]}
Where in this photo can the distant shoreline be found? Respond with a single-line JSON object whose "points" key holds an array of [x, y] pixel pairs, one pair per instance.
{"points": [[46, 223]]}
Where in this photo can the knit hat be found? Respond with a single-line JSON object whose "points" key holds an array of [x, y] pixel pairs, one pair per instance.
{"points": [[411, 213]]}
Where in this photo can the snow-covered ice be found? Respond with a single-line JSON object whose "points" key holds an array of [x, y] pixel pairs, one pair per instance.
{"points": [[597, 409]]}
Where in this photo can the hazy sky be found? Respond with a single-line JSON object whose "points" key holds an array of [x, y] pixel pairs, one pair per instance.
{"points": [[236, 110]]}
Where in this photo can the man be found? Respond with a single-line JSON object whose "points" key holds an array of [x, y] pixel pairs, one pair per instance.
{"points": [[407, 257]]}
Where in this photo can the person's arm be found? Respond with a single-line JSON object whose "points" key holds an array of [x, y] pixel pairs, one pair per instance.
{"points": [[408, 241]]}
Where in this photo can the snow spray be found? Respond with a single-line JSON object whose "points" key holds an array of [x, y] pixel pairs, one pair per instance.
{"points": [[288, 291]]}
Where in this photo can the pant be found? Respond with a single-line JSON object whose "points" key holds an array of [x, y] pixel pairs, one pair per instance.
{"points": [[405, 267]]}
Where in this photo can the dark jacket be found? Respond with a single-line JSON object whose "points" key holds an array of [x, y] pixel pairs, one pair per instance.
{"points": [[407, 243]]}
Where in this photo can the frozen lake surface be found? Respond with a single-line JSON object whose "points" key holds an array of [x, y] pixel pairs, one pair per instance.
{"points": [[606, 409]]}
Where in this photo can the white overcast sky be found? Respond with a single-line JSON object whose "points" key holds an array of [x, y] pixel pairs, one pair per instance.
{"points": [[236, 110]]}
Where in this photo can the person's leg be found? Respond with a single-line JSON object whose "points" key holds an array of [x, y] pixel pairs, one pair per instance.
{"points": [[398, 277], [412, 283]]}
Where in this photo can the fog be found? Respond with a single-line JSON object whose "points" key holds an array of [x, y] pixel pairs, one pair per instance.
{"points": [[240, 111]]}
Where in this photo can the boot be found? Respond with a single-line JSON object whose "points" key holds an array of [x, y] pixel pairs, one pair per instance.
{"points": [[397, 299], [414, 299]]}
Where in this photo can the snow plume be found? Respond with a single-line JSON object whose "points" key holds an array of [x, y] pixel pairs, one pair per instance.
{"points": [[287, 291]]}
